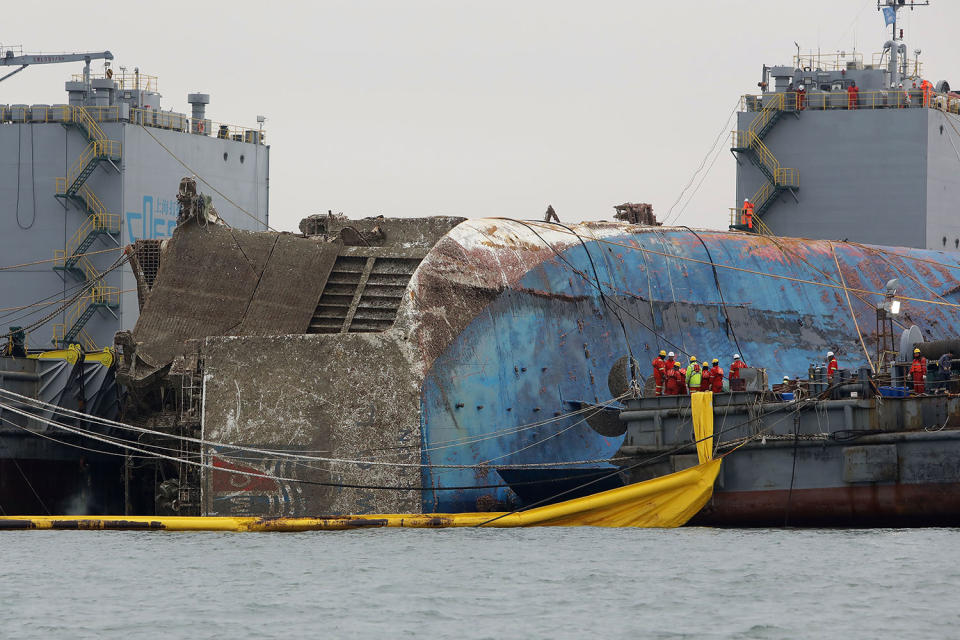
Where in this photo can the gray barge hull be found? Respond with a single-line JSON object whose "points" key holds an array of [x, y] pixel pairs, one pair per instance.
{"points": [[847, 462]]}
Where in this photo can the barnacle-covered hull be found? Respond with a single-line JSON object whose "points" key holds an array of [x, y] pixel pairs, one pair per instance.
{"points": [[502, 353]]}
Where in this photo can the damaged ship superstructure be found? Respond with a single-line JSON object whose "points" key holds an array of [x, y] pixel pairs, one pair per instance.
{"points": [[448, 365]]}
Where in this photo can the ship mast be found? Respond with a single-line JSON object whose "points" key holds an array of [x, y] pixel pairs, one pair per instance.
{"points": [[890, 10]]}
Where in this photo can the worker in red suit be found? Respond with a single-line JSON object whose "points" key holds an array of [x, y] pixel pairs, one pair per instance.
{"points": [[853, 96], [705, 377], [716, 377], [670, 360], [918, 371], [736, 384], [659, 364], [735, 367], [671, 380], [748, 213], [683, 382], [927, 89], [832, 366], [801, 98]]}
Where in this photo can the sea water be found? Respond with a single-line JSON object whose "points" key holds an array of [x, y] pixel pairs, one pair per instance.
{"points": [[482, 583]]}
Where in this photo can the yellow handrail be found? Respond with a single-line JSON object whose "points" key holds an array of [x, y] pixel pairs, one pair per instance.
{"points": [[900, 98], [96, 149], [83, 118], [125, 80]]}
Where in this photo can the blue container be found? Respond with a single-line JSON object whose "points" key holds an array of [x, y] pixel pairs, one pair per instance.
{"points": [[787, 397], [894, 392]]}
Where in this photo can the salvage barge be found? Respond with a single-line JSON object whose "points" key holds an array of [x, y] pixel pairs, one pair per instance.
{"points": [[449, 365]]}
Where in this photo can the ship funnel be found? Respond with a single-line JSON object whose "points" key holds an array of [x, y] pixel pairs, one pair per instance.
{"points": [[199, 102]]}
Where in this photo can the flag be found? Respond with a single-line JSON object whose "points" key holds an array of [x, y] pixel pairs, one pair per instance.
{"points": [[889, 16]]}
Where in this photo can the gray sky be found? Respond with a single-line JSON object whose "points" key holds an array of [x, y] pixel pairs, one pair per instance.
{"points": [[492, 108]]}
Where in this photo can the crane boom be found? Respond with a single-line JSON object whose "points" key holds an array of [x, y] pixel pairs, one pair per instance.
{"points": [[8, 59]]}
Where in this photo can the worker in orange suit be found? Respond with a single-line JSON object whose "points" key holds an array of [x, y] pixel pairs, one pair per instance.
{"points": [[735, 367], [671, 380], [748, 213], [670, 359], [801, 98], [853, 96], [659, 364], [716, 377], [705, 376], [832, 366], [736, 384], [918, 371], [927, 89]]}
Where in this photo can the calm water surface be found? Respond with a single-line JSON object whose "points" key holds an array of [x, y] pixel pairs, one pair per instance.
{"points": [[531, 583]]}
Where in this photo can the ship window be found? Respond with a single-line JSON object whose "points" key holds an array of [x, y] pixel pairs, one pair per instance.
{"points": [[944, 240], [241, 158], [956, 243], [224, 156]]}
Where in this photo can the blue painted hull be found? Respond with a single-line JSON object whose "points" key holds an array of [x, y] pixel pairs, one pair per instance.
{"points": [[575, 302]]}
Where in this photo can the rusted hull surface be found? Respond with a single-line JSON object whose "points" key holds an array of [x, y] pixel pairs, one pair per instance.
{"points": [[901, 505], [506, 328], [514, 330]]}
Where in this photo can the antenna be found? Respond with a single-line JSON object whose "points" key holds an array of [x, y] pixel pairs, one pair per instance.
{"points": [[894, 6]]}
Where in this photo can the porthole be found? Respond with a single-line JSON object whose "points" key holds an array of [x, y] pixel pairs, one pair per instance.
{"points": [[224, 156]]}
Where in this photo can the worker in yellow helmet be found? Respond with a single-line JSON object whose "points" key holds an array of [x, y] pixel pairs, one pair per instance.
{"points": [[659, 366]]}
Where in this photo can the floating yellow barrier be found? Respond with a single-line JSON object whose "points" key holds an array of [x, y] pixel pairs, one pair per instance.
{"points": [[664, 502], [668, 501]]}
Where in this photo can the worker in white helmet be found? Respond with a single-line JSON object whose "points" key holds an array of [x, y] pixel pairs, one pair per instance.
{"points": [[832, 365], [735, 367]]}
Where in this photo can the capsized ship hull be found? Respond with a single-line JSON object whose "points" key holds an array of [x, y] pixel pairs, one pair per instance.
{"points": [[503, 339]]}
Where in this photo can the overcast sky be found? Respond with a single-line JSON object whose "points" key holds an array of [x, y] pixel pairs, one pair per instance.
{"points": [[493, 108]]}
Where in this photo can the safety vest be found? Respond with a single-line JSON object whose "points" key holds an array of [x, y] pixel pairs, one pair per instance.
{"points": [[693, 376]]}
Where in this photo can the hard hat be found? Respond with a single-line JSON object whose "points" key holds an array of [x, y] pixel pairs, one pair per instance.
{"points": [[693, 358], [736, 356], [801, 87], [829, 353], [916, 350], [746, 199], [715, 361], [662, 352], [787, 378], [670, 355]]}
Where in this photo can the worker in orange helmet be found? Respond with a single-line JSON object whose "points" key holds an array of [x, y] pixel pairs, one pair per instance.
{"points": [[918, 371], [748, 213], [832, 365], [853, 96], [683, 382], [659, 364], [716, 376]]}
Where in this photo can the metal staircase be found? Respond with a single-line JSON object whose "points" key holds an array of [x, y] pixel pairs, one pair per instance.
{"points": [[71, 330], [363, 293], [71, 259], [750, 142]]}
